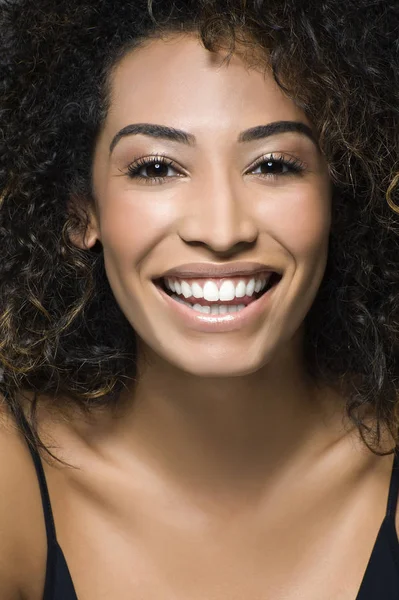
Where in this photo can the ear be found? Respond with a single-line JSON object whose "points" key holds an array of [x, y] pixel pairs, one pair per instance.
{"points": [[83, 227]]}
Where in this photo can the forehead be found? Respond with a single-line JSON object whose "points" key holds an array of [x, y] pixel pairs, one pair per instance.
{"points": [[176, 81]]}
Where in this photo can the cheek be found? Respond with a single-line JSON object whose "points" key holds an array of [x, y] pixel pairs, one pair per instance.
{"points": [[131, 224], [301, 222]]}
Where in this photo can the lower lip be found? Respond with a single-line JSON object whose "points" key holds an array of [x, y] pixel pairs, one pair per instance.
{"points": [[218, 323]]}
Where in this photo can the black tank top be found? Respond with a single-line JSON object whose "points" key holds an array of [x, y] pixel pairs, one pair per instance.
{"points": [[380, 581]]}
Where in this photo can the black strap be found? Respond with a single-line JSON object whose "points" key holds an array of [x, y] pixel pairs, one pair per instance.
{"points": [[393, 487], [52, 543], [48, 513]]}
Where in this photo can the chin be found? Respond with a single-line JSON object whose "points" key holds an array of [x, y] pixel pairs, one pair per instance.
{"points": [[226, 364]]}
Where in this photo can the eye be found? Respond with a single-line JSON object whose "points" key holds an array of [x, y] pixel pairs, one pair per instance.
{"points": [[275, 166], [271, 167], [153, 169]]}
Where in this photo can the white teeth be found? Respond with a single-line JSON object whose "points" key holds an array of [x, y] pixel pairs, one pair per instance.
{"points": [[186, 289], [250, 287], [203, 309], [197, 290], [241, 289], [227, 291], [219, 309], [211, 292], [258, 285]]}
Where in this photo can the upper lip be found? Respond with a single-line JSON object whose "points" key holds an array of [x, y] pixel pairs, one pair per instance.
{"points": [[237, 269]]}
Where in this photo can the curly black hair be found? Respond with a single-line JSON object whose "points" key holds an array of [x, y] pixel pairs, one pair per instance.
{"points": [[62, 334]]}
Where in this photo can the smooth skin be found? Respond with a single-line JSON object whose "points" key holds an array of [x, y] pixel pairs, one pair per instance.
{"points": [[226, 472]]}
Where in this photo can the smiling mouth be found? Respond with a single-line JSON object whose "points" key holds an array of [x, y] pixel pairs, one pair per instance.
{"points": [[200, 294]]}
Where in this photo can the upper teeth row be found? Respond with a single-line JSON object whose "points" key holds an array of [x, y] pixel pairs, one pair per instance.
{"points": [[210, 291]]}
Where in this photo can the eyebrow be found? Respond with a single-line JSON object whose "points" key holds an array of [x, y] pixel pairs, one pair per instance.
{"points": [[177, 135], [155, 131], [264, 131]]}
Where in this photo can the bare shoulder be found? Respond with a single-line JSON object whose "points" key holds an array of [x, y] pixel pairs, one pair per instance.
{"points": [[22, 531]]}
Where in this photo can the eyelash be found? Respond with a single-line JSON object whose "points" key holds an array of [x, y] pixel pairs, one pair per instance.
{"points": [[294, 166], [134, 168]]}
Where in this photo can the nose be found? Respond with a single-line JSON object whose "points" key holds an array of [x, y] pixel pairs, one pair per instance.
{"points": [[218, 214]]}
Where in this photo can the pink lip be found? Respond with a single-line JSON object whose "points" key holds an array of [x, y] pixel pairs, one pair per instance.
{"points": [[217, 323], [238, 269]]}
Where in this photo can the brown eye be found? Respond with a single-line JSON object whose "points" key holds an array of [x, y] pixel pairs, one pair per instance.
{"points": [[271, 167], [152, 170]]}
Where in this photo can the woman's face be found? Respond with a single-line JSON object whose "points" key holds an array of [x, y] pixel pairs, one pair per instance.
{"points": [[206, 173]]}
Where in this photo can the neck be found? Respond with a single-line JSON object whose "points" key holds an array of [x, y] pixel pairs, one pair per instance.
{"points": [[210, 433]]}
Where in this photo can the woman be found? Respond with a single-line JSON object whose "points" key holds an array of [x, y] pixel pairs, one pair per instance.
{"points": [[199, 300]]}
